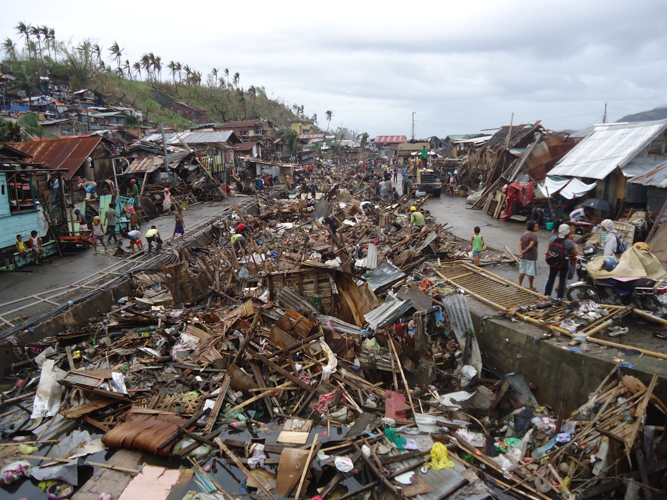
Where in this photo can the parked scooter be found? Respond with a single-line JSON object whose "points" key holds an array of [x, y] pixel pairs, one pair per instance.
{"points": [[643, 293]]}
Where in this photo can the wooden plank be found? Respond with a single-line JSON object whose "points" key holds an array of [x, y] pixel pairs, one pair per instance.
{"points": [[87, 408], [218, 404], [280, 370], [110, 481]]}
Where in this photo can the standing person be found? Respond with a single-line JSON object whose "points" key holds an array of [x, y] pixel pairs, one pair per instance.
{"points": [[528, 251], [110, 218], [452, 184], [477, 242], [153, 236], [383, 189], [558, 254], [134, 218], [166, 202], [404, 171], [613, 243], [180, 225], [134, 192], [395, 174], [424, 156], [98, 234], [377, 186], [313, 190]]}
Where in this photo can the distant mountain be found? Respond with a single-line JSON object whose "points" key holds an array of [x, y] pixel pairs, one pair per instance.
{"points": [[646, 116]]}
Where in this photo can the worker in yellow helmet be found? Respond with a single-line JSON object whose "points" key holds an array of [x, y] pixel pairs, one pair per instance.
{"points": [[416, 217]]}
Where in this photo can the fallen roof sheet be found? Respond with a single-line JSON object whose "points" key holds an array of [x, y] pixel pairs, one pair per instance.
{"points": [[610, 146], [69, 153], [290, 300], [145, 165], [384, 275], [387, 312], [656, 177]]}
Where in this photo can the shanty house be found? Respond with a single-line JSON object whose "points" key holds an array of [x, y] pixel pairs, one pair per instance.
{"points": [[64, 127], [615, 153], [249, 128], [89, 157], [387, 144]]}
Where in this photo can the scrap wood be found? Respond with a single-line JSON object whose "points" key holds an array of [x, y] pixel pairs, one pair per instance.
{"points": [[230, 454], [68, 460]]}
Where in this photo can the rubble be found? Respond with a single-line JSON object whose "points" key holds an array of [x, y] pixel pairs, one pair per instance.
{"points": [[333, 357]]}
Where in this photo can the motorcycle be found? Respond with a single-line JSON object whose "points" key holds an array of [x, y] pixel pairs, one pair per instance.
{"points": [[647, 294]]}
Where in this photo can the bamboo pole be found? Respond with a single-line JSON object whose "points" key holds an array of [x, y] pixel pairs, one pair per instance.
{"points": [[306, 467], [407, 388]]}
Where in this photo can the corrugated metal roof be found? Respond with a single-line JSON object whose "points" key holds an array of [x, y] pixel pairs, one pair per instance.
{"points": [[611, 145], [384, 275], [145, 165], [391, 139], [339, 325], [190, 138], [656, 177], [387, 313], [67, 153], [290, 300]]}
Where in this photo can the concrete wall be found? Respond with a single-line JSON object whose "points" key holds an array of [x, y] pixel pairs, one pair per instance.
{"points": [[558, 374]]}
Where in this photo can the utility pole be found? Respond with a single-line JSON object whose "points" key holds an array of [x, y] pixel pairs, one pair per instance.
{"points": [[413, 125], [164, 147], [604, 117]]}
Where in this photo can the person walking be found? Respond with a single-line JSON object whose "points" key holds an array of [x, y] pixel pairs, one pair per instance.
{"points": [[180, 225], [377, 186], [528, 251], [98, 234], [166, 202], [395, 174], [110, 218], [478, 245], [561, 248]]}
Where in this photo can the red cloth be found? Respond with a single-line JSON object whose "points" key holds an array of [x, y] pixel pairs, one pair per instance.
{"points": [[522, 192]]}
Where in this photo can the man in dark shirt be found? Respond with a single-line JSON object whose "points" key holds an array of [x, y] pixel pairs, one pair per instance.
{"points": [[528, 251]]}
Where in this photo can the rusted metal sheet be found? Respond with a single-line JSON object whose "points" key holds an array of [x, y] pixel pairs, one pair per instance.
{"points": [[145, 165], [656, 177], [68, 153]]}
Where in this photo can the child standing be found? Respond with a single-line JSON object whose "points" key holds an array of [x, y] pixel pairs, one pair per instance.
{"points": [[478, 244], [180, 225]]}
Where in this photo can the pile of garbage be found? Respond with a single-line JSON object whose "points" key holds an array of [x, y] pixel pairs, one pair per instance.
{"points": [[325, 359]]}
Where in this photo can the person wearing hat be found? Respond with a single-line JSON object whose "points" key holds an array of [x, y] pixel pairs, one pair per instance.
{"points": [[610, 242], [416, 217], [562, 247], [98, 234]]}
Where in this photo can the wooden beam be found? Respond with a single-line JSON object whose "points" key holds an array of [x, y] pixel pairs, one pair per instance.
{"points": [[280, 370]]}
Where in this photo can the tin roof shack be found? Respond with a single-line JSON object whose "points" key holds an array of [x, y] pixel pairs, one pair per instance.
{"points": [[64, 127], [613, 153], [188, 111], [249, 128], [387, 144], [249, 149], [89, 157], [22, 184]]}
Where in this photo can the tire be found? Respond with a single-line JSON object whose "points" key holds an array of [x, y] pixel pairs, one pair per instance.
{"points": [[437, 194], [584, 292]]}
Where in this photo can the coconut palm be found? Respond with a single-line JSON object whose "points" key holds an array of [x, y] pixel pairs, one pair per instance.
{"points": [[137, 68], [227, 76], [116, 52], [132, 122], [146, 64], [291, 137], [23, 29], [53, 44], [157, 65], [329, 114], [252, 90], [23, 129], [9, 48], [214, 73], [97, 50], [363, 139], [237, 78], [35, 31], [171, 66], [44, 32], [128, 68]]}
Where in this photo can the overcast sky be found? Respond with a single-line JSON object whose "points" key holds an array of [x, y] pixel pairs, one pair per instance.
{"points": [[461, 66]]}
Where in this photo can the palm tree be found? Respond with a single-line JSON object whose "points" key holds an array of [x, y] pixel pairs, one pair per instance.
{"points": [[116, 52], [172, 67], [9, 47], [32, 48], [188, 72], [35, 31], [128, 68], [252, 90], [137, 68], [178, 68], [157, 64], [97, 50], [22, 129], [132, 121], [146, 64], [23, 29], [44, 31], [237, 78], [85, 50], [227, 76], [52, 38], [214, 72], [329, 114], [290, 137], [363, 139]]}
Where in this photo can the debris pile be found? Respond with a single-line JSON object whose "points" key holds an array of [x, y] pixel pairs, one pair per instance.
{"points": [[328, 357]]}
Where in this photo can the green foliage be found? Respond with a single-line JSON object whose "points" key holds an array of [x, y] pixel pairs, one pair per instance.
{"points": [[291, 137], [23, 129], [132, 121]]}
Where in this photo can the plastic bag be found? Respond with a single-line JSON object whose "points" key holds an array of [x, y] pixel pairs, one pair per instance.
{"points": [[14, 471], [440, 458], [333, 362]]}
